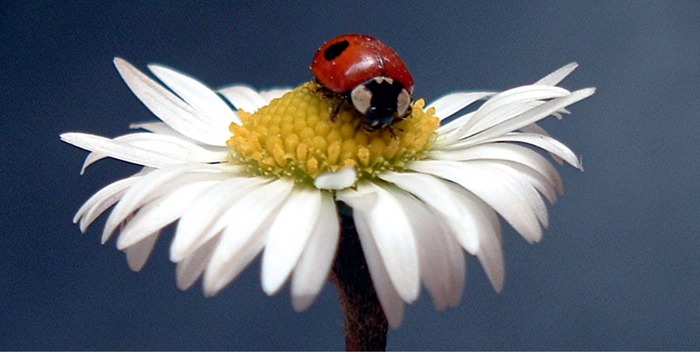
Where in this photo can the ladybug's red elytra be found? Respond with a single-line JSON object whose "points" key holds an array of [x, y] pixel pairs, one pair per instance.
{"points": [[368, 73]]}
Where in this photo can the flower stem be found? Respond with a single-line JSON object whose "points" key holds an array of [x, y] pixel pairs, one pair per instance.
{"points": [[365, 323]]}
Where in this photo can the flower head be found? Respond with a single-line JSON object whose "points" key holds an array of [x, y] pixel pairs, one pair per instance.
{"points": [[265, 177]]}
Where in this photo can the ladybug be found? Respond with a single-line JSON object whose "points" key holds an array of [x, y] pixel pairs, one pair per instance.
{"points": [[369, 74]]}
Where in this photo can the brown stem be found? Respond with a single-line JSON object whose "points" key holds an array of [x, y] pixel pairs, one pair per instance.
{"points": [[365, 323]]}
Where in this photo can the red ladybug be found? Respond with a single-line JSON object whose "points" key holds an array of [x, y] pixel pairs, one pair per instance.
{"points": [[368, 73]]}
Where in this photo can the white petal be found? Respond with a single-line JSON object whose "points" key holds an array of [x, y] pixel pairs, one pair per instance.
{"points": [[508, 104], [192, 267], [102, 200], [273, 93], [534, 128], [391, 301], [151, 186], [508, 199], [473, 215], [507, 152], [338, 180], [547, 143], [557, 76], [170, 108], [438, 196], [220, 273], [449, 104], [441, 259], [197, 95], [137, 255], [315, 263], [288, 236], [170, 146], [531, 116], [162, 128], [245, 234], [109, 148], [490, 252], [525, 183], [243, 98], [205, 216], [390, 229], [159, 213], [159, 128]]}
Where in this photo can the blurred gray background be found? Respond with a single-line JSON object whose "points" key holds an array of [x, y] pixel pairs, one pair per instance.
{"points": [[619, 267]]}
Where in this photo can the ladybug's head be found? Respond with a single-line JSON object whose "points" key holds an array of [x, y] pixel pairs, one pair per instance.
{"points": [[382, 101]]}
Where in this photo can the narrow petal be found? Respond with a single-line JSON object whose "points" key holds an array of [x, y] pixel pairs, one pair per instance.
{"points": [[192, 267], [490, 252], [159, 213], [245, 234], [526, 183], [509, 104], [204, 216], [220, 273], [102, 200], [288, 236], [475, 217], [389, 298], [390, 229], [161, 128], [534, 128], [170, 108], [137, 255], [441, 259], [197, 95], [557, 76], [243, 98], [170, 146], [151, 186], [531, 116], [507, 152], [512, 202], [547, 143], [273, 93], [441, 199], [106, 147], [315, 263], [450, 104]]}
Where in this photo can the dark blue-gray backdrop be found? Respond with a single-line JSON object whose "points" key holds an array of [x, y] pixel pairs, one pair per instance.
{"points": [[619, 267]]}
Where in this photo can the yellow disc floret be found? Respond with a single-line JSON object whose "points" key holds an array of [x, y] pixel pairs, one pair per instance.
{"points": [[296, 136]]}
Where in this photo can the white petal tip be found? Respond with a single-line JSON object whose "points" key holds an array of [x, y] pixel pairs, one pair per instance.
{"points": [[303, 302], [271, 287], [587, 92], [497, 286], [210, 289], [338, 180], [118, 61], [176, 256]]}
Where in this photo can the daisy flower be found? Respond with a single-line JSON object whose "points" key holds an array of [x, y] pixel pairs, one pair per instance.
{"points": [[244, 173]]}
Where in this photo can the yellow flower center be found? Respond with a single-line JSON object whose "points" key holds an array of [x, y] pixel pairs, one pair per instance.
{"points": [[295, 136]]}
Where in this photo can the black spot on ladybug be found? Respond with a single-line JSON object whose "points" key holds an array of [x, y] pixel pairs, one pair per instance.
{"points": [[335, 50]]}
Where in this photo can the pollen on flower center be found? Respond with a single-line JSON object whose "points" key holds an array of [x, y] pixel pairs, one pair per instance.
{"points": [[294, 136]]}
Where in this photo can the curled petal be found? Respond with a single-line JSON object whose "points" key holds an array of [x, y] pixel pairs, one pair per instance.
{"points": [[389, 226]]}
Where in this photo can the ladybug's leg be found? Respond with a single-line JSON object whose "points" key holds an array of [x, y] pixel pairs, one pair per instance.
{"points": [[393, 134], [336, 109], [328, 94]]}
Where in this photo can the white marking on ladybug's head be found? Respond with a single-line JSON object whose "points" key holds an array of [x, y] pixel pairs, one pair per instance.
{"points": [[403, 102], [361, 98], [381, 79]]}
